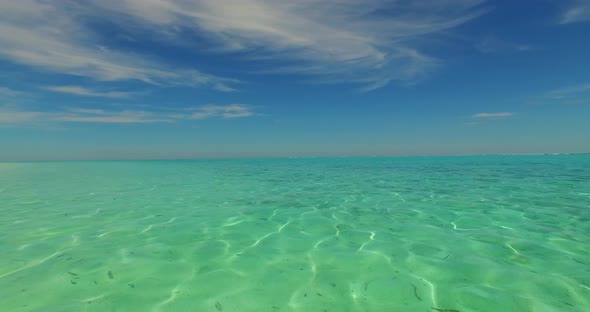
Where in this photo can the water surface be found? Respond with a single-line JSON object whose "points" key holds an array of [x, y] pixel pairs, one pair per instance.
{"points": [[493, 233]]}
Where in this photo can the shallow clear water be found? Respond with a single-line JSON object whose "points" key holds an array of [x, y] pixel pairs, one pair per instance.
{"points": [[493, 233]]}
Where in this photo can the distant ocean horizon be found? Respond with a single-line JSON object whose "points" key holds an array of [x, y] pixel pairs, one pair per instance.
{"points": [[349, 233], [290, 157]]}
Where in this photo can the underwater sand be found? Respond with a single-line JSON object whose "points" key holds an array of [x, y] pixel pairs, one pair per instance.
{"points": [[485, 233]]}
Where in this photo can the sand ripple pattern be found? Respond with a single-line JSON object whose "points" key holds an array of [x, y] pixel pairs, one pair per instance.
{"points": [[495, 233]]}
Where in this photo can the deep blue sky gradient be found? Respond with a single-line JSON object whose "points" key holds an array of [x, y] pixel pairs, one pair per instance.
{"points": [[519, 59]]}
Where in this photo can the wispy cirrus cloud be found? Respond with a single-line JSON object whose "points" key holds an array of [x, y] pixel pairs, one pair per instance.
{"points": [[14, 116], [492, 115], [570, 91], [370, 42], [579, 11], [82, 91], [493, 44], [570, 95], [7, 92], [51, 36]]}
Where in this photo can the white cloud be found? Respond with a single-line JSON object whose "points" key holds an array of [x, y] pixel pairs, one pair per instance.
{"points": [[14, 116], [225, 111], [49, 35], [578, 12], [77, 90], [492, 115], [370, 42]]}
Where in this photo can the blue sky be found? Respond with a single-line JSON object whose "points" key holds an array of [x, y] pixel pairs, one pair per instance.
{"points": [[119, 79]]}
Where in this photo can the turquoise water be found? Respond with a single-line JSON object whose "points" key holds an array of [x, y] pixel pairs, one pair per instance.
{"points": [[493, 233]]}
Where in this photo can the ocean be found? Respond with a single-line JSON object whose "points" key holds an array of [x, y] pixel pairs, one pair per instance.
{"points": [[463, 233]]}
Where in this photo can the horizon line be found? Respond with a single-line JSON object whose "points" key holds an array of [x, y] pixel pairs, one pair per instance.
{"points": [[296, 157]]}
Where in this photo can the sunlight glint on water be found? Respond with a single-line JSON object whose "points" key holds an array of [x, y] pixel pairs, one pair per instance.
{"points": [[494, 233]]}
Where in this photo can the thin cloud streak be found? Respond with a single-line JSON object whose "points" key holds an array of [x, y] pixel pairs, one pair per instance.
{"points": [[224, 111], [9, 92], [569, 91], [12, 116], [101, 116], [492, 115], [81, 91], [569, 95], [492, 44]]}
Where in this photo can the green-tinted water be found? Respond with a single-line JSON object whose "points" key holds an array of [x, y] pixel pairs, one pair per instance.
{"points": [[505, 233]]}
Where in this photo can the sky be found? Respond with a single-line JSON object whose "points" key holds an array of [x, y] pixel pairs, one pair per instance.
{"points": [[149, 79]]}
